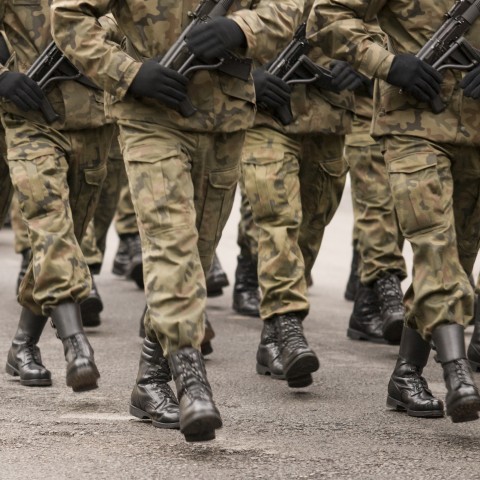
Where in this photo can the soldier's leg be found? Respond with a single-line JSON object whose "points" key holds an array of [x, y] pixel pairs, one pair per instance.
{"points": [[21, 241], [271, 168], [323, 173], [181, 205], [439, 302], [6, 188], [57, 178], [128, 260], [246, 295], [378, 311]]}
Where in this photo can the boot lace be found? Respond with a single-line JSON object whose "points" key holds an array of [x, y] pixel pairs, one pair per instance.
{"points": [[390, 293], [291, 334]]}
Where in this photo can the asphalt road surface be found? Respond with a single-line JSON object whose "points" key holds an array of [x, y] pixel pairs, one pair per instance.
{"points": [[337, 428]]}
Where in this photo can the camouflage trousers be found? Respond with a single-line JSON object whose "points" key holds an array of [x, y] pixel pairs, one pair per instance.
{"points": [[294, 185], [248, 232], [183, 186], [94, 241], [57, 178], [125, 220], [436, 193], [6, 188], [19, 227], [376, 229]]}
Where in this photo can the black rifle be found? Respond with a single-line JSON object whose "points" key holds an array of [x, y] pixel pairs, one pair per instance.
{"points": [[294, 67], [448, 48], [179, 57], [52, 66]]}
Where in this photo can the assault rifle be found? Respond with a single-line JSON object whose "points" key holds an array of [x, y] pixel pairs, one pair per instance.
{"points": [[179, 57], [52, 66], [294, 67], [448, 48]]}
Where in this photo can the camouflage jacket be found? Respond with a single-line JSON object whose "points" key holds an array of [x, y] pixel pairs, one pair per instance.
{"points": [[26, 26], [151, 27], [314, 111], [361, 123], [339, 25]]}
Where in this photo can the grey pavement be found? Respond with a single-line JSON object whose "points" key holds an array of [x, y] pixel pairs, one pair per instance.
{"points": [[338, 428]]}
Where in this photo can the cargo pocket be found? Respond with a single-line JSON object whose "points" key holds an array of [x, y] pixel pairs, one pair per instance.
{"points": [[216, 207], [417, 192]]}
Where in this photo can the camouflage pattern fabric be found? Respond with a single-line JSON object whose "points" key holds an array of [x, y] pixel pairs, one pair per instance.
{"points": [[378, 236], [428, 156], [6, 189], [94, 241], [125, 220], [57, 178], [19, 227], [183, 186], [294, 184], [248, 232], [224, 103]]}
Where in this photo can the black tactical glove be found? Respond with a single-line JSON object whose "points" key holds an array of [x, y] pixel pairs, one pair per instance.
{"points": [[270, 90], [415, 77], [471, 83], [161, 83], [21, 90], [344, 76], [212, 39]]}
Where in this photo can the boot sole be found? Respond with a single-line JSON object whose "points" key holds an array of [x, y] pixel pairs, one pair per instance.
{"points": [[298, 372], [201, 427], [401, 407], [393, 332], [206, 348], [358, 335], [475, 366], [263, 370], [246, 313], [465, 410], [83, 379], [33, 382], [142, 415]]}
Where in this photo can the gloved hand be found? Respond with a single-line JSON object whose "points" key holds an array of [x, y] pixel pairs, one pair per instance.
{"points": [[270, 90], [471, 83], [415, 77], [161, 83], [211, 40], [21, 90], [345, 77]]}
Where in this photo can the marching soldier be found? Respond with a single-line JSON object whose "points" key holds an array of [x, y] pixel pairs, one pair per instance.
{"points": [[433, 162], [182, 171]]}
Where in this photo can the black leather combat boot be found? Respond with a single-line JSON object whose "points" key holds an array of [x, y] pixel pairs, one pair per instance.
{"points": [[366, 321], [216, 279], [199, 417], [24, 359], [354, 277], [246, 297], [408, 390], [390, 296], [269, 360], [82, 373], [122, 259], [298, 359], [463, 399], [152, 397], [473, 352], [134, 270], [26, 257], [91, 307], [206, 345]]}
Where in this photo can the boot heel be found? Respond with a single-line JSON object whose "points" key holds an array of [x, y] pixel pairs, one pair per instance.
{"points": [[263, 370], [10, 370], [138, 413], [395, 404], [354, 335]]}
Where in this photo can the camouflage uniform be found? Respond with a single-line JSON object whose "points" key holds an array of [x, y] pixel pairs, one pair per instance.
{"points": [[433, 160], [5, 183], [294, 178], [56, 170], [375, 223], [182, 171], [125, 220], [19, 227]]}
